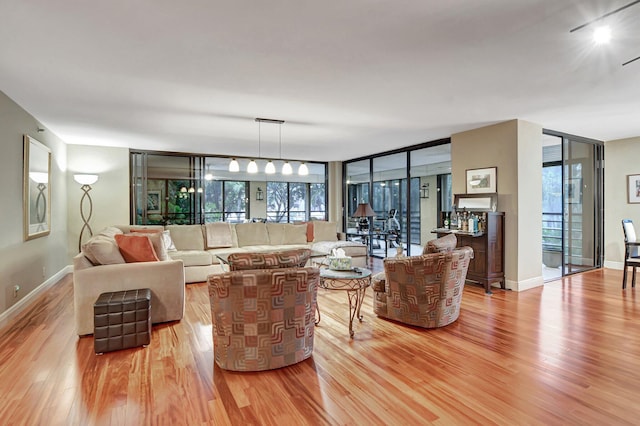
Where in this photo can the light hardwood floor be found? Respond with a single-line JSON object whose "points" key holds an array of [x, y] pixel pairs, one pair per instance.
{"points": [[567, 353]]}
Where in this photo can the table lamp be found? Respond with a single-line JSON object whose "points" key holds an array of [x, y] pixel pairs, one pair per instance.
{"points": [[364, 212]]}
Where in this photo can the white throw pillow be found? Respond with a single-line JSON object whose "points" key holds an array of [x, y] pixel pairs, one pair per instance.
{"points": [[102, 250], [168, 242]]}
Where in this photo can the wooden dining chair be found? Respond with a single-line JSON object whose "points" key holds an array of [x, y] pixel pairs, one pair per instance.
{"points": [[631, 255]]}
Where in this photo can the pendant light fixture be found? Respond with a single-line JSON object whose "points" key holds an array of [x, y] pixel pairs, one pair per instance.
{"points": [[303, 170], [234, 166], [286, 167], [252, 167], [270, 168]]}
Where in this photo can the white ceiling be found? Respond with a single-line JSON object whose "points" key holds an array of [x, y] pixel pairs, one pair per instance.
{"points": [[350, 78]]}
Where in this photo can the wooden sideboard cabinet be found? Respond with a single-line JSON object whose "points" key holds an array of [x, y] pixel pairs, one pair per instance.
{"points": [[487, 265]]}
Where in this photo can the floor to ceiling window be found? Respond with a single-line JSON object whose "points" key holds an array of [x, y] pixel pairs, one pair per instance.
{"points": [[407, 190], [572, 194], [191, 189]]}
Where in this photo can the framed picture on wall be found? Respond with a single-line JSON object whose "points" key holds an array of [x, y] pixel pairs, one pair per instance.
{"points": [[574, 190], [633, 189], [482, 181], [153, 202]]}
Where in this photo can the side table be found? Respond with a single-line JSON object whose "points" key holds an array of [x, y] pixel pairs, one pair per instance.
{"points": [[354, 282]]}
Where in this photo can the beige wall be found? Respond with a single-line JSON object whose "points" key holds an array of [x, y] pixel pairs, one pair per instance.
{"points": [[28, 263], [621, 159], [110, 194], [515, 148], [529, 206]]}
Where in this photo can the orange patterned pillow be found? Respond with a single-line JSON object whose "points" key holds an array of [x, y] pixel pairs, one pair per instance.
{"points": [[136, 248]]}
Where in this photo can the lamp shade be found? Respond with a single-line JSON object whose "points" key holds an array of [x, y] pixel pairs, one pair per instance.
{"points": [[303, 170], [286, 168], [364, 210], [85, 179], [270, 168], [252, 167], [39, 177], [234, 166]]}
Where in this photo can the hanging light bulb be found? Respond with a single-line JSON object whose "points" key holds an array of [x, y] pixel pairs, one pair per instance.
{"points": [[252, 167], [303, 170], [234, 166], [286, 168], [270, 168]]}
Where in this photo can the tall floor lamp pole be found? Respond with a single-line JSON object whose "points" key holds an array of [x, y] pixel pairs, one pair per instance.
{"points": [[86, 181]]}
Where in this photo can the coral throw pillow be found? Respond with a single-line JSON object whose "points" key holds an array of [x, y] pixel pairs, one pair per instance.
{"points": [[309, 232], [136, 248]]}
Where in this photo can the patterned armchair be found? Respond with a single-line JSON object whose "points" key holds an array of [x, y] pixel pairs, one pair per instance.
{"points": [[425, 290], [263, 318]]}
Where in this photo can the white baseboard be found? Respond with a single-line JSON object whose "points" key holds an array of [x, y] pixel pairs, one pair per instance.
{"points": [[17, 309], [614, 265], [525, 284]]}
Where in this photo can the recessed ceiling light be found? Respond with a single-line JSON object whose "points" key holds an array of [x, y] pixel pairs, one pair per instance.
{"points": [[602, 35]]}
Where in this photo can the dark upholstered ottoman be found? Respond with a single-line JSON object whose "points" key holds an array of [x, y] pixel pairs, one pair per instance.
{"points": [[122, 319]]}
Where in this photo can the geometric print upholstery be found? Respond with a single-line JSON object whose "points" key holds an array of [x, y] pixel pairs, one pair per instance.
{"points": [[441, 245], [281, 259], [263, 319], [425, 291]]}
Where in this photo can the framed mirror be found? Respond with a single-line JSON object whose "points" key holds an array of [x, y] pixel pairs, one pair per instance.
{"points": [[37, 189]]}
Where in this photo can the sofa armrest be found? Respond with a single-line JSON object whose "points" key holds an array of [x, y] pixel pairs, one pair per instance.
{"points": [[165, 279]]}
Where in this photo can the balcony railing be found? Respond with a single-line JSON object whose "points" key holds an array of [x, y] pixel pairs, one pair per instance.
{"points": [[552, 231]]}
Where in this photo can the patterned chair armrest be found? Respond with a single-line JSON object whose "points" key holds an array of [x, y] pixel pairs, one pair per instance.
{"points": [[378, 282]]}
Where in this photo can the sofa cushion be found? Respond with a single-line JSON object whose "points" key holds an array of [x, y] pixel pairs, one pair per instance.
{"points": [[218, 234], [276, 233], [441, 245], [193, 257], [282, 259], [187, 237], [127, 228], [168, 242], [157, 240], [136, 248], [325, 231], [103, 250], [295, 234], [310, 231], [111, 231], [252, 234]]}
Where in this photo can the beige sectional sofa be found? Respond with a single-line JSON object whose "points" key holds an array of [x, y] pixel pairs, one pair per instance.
{"points": [[201, 247], [188, 254]]}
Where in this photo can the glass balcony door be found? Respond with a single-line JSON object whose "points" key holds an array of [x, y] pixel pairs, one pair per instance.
{"points": [[572, 200]]}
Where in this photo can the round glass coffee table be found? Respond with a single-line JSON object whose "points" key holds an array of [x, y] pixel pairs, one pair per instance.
{"points": [[354, 281]]}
